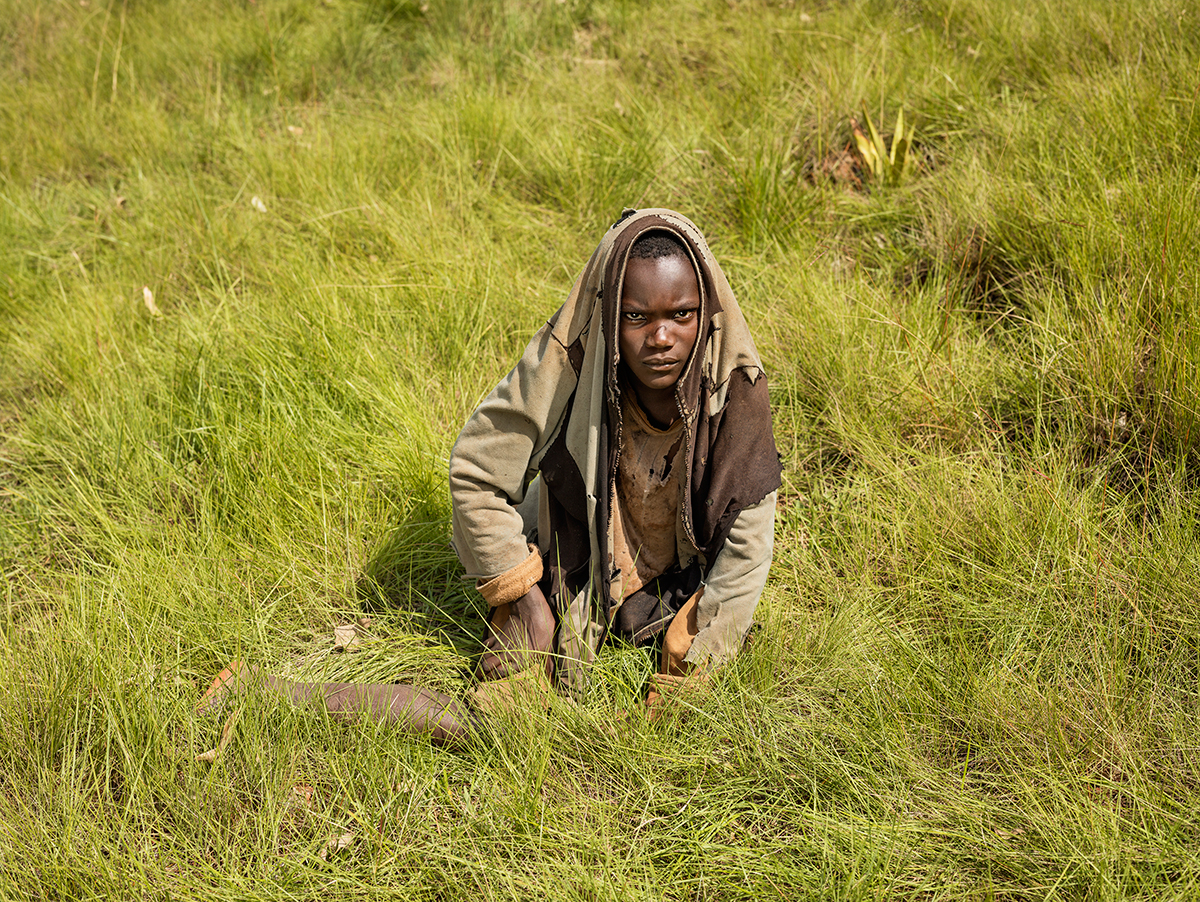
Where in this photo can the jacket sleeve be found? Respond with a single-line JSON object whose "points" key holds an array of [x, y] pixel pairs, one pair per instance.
{"points": [[496, 457], [735, 581]]}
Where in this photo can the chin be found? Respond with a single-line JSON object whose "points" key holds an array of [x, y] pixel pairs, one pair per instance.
{"points": [[659, 381]]}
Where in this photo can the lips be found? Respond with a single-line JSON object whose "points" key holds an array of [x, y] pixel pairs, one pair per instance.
{"points": [[656, 364]]}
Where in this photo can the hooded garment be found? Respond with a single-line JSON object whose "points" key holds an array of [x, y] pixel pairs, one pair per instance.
{"points": [[533, 473]]}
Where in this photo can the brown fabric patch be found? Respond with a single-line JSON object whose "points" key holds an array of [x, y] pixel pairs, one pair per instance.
{"points": [[679, 638], [648, 611], [575, 355], [736, 462], [512, 584], [566, 562]]}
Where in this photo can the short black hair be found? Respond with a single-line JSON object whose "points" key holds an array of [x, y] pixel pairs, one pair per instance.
{"points": [[653, 245]]}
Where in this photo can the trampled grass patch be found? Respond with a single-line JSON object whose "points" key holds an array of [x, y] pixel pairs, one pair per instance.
{"points": [[976, 674]]}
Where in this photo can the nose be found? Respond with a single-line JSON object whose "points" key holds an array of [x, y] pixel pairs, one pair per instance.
{"points": [[660, 336]]}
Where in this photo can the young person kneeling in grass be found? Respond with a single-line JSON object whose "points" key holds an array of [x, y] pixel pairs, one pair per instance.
{"points": [[619, 481]]}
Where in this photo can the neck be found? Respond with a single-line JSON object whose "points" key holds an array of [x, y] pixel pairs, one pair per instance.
{"points": [[658, 404]]}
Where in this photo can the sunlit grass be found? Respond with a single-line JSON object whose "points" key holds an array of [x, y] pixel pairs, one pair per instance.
{"points": [[977, 667]]}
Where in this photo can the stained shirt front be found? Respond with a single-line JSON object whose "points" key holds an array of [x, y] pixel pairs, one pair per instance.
{"points": [[646, 507]]}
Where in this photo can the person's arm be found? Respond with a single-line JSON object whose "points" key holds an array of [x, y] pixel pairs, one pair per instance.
{"points": [[493, 461], [491, 467], [735, 582]]}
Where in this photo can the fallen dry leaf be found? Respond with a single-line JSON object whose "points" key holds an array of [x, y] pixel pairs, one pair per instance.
{"points": [[148, 299], [346, 638], [336, 844], [226, 734], [303, 794]]}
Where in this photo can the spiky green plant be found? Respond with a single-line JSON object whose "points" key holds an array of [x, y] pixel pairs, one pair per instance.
{"points": [[887, 165]]}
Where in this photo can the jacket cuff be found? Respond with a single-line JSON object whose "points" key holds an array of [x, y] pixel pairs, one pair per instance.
{"points": [[512, 584]]}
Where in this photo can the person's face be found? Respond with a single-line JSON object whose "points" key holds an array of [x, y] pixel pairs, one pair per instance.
{"points": [[660, 318]]}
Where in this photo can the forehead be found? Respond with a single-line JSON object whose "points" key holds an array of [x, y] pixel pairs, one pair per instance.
{"points": [[660, 280]]}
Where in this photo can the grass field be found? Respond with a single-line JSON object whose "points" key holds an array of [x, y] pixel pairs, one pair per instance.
{"points": [[258, 262]]}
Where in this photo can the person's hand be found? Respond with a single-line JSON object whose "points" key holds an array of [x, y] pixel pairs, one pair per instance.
{"points": [[519, 636], [681, 692]]}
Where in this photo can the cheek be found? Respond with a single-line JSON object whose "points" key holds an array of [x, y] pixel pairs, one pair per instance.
{"points": [[627, 341], [688, 338]]}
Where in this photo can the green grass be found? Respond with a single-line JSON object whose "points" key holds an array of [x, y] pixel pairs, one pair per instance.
{"points": [[977, 674]]}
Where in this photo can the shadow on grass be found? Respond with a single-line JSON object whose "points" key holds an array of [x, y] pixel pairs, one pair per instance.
{"points": [[415, 571]]}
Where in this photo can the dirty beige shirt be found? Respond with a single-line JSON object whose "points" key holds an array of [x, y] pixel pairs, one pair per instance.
{"points": [[646, 508]]}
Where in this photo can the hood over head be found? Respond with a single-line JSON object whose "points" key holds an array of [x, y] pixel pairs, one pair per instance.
{"points": [[731, 457]]}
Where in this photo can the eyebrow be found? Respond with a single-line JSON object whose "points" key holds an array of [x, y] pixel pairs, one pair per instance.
{"points": [[681, 304]]}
